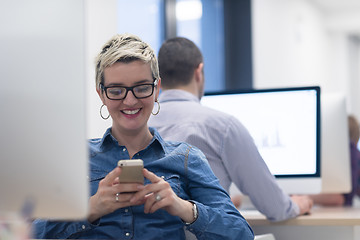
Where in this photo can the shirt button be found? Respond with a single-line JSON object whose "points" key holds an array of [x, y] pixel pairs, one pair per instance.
{"points": [[162, 177], [83, 227], [124, 149], [127, 234], [126, 210]]}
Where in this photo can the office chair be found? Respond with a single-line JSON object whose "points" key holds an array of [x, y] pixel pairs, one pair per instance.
{"points": [[268, 236]]}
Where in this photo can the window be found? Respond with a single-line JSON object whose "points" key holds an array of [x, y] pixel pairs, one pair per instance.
{"points": [[221, 29], [143, 18], [202, 22]]}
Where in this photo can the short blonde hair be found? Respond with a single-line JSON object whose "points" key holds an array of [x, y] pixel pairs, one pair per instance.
{"points": [[124, 48]]}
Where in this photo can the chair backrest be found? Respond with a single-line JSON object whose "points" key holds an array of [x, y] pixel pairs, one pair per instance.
{"points": [[268, 236]]}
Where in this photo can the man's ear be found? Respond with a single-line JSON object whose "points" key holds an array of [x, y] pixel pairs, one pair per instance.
{"points": [[199, 72]]}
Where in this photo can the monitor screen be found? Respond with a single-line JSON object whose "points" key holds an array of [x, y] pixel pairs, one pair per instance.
{"points": [[44, 155], [285, 126]]}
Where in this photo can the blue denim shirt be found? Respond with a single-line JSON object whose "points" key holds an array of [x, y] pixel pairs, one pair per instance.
{"points": [[185, 168]]}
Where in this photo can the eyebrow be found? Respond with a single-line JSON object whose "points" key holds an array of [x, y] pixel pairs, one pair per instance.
{"points": [[145, 81]]}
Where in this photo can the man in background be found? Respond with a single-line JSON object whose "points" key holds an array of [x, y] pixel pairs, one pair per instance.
{"points": [[346, 199], [226, 143]]}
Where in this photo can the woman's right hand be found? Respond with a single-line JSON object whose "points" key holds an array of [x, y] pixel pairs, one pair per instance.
{"points": [[112, 195]]}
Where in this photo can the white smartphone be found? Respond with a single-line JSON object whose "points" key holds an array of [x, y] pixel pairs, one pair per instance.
{"points": [[131, 171]]}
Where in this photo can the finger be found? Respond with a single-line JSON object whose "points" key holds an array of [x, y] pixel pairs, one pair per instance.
{"points": [[110, 179], [149, 202], [153, 187], [145, 192], [128, 188], [311, 204], [157, 203], [124, 197], [140, 194], [152, 204], [151, 176]]}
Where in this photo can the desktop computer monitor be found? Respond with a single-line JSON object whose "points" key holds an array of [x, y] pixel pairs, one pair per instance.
{"points": [[285, 126], [335, 144], [44, 154]]}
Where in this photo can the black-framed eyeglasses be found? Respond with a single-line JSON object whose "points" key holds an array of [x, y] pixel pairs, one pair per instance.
{"points": [[139, 91]]}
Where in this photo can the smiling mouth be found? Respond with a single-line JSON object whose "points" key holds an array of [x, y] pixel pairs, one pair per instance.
{"points": [[131, 112]]}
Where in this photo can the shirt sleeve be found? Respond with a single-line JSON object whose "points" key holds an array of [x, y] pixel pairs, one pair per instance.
{"points": [[251, 175], [354, 161], [46, 229], [217, 216]]}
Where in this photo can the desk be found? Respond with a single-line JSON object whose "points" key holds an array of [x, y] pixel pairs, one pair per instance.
{"points": [[328, 223]]}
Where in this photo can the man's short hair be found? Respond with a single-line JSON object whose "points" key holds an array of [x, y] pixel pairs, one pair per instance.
{"points": [[178, 58]]}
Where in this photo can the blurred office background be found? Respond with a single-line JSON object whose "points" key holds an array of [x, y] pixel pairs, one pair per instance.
{"points": [[246, 43]]}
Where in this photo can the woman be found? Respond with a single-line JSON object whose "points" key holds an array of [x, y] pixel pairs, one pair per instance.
{"points": [[180, 189]]}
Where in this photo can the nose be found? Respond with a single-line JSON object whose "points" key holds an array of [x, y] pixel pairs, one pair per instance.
{"points": [[130, 99]]}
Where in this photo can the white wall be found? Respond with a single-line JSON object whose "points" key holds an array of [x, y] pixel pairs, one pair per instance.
{"points": [[294, 44], [288, 44], [297, 44], [101, 19]]}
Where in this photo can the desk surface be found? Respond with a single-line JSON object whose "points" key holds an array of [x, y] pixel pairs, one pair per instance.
{"points": [[319, 216]]}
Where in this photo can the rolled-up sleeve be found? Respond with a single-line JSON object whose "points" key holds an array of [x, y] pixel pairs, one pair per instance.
{"points": [[251, 175]]}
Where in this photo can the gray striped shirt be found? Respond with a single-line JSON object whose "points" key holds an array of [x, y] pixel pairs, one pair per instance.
{"points": [[228, 147]]}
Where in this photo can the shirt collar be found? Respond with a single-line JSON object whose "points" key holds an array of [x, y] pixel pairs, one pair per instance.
{"points": [[108, 139], [177, 95], [157, 139]]}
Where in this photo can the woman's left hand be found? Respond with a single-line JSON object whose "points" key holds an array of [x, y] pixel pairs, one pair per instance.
{"points": [[159, 194]]}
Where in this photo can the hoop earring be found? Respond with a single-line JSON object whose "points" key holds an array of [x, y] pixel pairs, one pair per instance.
{"points": [[101, 115], [158, 110]]}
